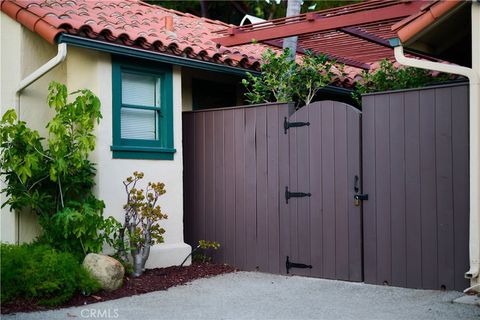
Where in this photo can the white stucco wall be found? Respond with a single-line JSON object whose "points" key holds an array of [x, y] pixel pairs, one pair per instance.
{"points": [[90, 69], [10, 32], [22, 52]]}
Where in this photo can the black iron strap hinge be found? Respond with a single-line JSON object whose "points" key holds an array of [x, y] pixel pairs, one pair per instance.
{"points": [[287, 125], [289, 194], [290, 265]]}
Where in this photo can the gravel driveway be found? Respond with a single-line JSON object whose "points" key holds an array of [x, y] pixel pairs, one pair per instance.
{"points": [[251, 295]]}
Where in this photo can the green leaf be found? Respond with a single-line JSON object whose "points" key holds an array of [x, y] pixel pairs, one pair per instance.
{"points": [[10, 116]]}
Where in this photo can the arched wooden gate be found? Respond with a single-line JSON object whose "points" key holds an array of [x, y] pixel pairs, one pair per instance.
{"points": [[269, 182]]}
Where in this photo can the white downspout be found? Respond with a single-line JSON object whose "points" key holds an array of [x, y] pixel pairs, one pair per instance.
{"points": [[37, 74], [34, 76], [473, 75]]}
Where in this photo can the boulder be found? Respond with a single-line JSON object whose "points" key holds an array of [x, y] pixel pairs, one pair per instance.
{"points": [[108, 271]]}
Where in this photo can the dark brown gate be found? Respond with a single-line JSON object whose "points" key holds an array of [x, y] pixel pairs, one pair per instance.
{"points": [[240, 161], [415, 168], [238, 164], [324, 230]]}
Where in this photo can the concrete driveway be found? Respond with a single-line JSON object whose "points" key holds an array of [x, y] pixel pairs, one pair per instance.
{"points": [[251, 295]]}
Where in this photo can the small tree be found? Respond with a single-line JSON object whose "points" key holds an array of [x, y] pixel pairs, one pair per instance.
{"points": [[276, 82], [141, 226], [313, 74], [285, 80], [56, 179]]}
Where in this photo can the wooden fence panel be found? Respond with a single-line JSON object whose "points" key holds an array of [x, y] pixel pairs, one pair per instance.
{"points": [[233, 165], [415, 168]]}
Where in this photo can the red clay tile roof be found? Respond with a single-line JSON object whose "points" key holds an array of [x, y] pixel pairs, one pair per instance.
{"points": [[137, 24], [132, 23]]}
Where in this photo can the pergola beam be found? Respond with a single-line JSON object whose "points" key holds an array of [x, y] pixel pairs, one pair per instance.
{"points": [[316, 23], [302, 50]]}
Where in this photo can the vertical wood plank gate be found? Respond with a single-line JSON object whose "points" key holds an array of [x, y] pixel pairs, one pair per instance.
{"points": [[269, 183], [409, 151]]}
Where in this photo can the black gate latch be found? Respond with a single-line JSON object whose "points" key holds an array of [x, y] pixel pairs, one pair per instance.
{"points": [[361, 197], [289, 194], [290, 265], [287, 125]]}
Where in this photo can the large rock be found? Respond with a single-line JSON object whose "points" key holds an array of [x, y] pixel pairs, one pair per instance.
{"points": [[108, 271]]}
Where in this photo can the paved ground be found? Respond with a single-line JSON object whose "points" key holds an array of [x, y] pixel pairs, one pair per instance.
{"points": [[250, 295]]}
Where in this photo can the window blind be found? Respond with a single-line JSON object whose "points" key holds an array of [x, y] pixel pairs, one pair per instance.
{"points": [[140, 90], [138, 124]]}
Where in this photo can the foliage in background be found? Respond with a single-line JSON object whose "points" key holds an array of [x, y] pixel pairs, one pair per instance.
{"points": [[388, 77], [42, 273], [56, 179], [276, 82], [285, 80], [141, 228], [314, 73], [233, 11]]}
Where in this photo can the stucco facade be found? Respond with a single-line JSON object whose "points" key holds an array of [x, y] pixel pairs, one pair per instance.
{"points": [[85, 68]]}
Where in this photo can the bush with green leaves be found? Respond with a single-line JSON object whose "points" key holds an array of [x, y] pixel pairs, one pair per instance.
{"points": [[54, 176], [42, 273], [201, 253], [388, 77], [282, 79]]}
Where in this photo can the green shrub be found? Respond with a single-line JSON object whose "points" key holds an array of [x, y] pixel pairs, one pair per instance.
{"points": [[36, 271], [388, 77], [53, 175], [284, 80]]}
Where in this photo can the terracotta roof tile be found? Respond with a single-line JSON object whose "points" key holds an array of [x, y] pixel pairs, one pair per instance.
{"points": [[132, 23]]}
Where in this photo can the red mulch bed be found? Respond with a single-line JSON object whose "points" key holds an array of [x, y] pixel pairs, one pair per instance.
{"points": [[150, 280]]}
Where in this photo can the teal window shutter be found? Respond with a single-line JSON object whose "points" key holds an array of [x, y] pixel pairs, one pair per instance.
{"points": [[142, 110]]}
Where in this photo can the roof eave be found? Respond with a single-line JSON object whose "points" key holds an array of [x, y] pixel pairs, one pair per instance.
{"points": [[412, 28], [149, 55]]}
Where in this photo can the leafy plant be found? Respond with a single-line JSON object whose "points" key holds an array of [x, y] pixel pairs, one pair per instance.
{"points": [[388, 77], [56, 179], [141, 228], [314, 73], [276, 80], [204, 246], [42, 273], [284, 80]]}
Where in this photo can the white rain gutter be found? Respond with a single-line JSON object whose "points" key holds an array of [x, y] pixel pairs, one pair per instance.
{"points": [[473, 75], [37, 74], [34, 76]]}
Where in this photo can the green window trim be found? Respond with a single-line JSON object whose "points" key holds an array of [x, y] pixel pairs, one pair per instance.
{"points": [[163, 147]]}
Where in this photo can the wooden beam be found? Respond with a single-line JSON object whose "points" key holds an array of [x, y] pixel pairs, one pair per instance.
{"points": [[319, 23], [300, 49], [366, 36]]}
